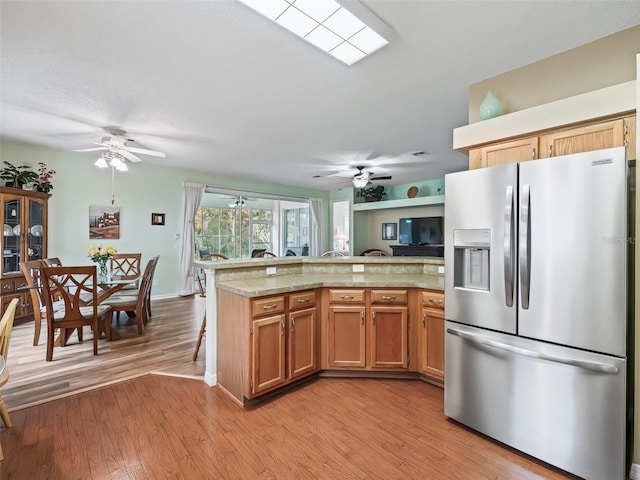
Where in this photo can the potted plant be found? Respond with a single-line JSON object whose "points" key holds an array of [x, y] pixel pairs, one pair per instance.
{"points": [[373, 193], [44, 178], [18, 176]]}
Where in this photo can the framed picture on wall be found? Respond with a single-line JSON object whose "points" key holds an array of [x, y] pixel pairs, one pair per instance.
{"points": [[104, 222], [157, 219], [389, 231]]}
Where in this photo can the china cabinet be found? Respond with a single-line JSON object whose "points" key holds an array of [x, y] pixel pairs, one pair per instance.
{"points": [[24, 219]]}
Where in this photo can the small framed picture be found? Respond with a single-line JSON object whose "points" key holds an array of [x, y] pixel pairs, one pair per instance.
{"points": [[389, 231], [157, 219]]}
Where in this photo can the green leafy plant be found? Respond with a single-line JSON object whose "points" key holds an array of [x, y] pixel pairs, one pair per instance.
{"points": [[374, 192], [18, 176]]}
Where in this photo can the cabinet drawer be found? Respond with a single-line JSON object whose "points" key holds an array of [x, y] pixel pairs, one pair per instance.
{"points": [[8, 285], [301, 300], [267, 306], [389, 297], [346, 296], [433, 299]]}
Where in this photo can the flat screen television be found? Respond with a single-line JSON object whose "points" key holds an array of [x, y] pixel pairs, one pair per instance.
{"points": [[421, 231]]}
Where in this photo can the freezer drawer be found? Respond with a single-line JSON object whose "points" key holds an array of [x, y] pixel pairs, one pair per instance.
{"points": [[561, 405]]}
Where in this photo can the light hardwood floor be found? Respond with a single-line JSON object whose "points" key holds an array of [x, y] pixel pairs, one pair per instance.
{"points": [[161, 427], [158, 427], [165, 346]]}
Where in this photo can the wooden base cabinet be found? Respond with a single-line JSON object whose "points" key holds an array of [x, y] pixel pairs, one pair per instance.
{"points": [[368, 329], [265, 343], [432, 335]]}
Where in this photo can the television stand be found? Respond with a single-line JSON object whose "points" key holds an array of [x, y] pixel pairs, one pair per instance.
{"points": [[418, 250]]}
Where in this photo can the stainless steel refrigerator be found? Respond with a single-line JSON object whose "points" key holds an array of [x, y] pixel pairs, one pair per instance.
{"points": [[536, 307]]}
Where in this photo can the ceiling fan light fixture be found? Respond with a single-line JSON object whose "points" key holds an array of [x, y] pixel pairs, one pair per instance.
{"points": [[101, 163], [360, 182], [122, 167]]}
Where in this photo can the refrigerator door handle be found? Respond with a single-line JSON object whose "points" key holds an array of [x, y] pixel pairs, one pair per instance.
{"points": [[482, 340], [525, 246], [509, 246]]}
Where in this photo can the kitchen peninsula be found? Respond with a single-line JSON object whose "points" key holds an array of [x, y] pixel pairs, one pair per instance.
{"points": [[272, 322]]}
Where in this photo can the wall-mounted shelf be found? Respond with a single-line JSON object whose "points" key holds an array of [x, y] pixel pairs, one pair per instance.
{"points": [[401, 203]]}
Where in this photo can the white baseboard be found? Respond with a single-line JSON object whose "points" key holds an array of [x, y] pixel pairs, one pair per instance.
{"points": [[211, 379], [634, 473]]}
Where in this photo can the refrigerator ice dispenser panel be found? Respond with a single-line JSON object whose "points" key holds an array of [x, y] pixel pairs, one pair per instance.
{"points": [[472, 250]]}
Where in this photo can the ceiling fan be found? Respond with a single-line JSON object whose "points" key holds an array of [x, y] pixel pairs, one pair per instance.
{"points": [[118, 149], [364, 177]]}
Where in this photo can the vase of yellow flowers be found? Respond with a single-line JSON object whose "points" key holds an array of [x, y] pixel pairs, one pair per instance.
{"points": [[100, 255]]}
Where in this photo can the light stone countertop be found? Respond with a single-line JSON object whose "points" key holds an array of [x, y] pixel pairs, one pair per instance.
{"points": [[289, 283], [248, 277]]}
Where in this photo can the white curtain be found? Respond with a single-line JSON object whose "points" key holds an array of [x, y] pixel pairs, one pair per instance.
{"points": [[316, 248], [192, 197]]}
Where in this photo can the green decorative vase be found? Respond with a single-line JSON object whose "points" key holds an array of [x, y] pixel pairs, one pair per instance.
{"points": [[490, 106]]}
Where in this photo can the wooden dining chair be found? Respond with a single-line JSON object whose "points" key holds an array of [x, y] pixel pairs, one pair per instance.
{"points": [[264, 254], [374, 252], [51, 262], [203, 293], [126, 266], [332, 253], [31, 272], [72, 286], [6, 325], [137, 304], [199, 274]]}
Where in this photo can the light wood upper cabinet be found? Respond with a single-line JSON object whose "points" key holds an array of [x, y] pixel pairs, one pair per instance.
{"points": [[563, 141], [514, 151], [583, 139]]}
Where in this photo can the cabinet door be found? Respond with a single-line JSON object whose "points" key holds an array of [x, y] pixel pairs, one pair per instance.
{"points": [[515, 151], [347, 336], [389, 337], [35, 229], [12, 251], [267, 354], [432, 343], [583, 139], [302, 343]]}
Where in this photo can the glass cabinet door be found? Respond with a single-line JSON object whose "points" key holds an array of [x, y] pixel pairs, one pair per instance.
{"points": [[11, 244], [35, 233]]}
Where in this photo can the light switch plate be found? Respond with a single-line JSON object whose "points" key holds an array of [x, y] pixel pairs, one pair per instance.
{"points": [[440, 269], [358, 268], [271, 270]]}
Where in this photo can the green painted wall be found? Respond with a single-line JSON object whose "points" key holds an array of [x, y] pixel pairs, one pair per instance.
{"points": [[143, 190]]}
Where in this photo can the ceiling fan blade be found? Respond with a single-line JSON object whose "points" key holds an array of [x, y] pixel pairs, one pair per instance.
{"points": [[144, 151], [129, 156], [388, 177], [93, 149]]}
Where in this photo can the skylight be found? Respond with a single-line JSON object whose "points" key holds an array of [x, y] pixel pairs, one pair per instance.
{"points": [[325, 24]]}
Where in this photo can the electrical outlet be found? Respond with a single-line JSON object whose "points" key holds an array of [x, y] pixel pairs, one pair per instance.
{"points": [[440, 269], [358, 268], [271, 270]]}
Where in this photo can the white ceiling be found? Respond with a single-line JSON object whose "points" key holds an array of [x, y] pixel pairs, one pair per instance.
{"points": [[221, 89]]}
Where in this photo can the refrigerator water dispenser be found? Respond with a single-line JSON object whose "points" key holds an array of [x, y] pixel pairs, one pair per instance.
{"points": [[472, 250]]}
